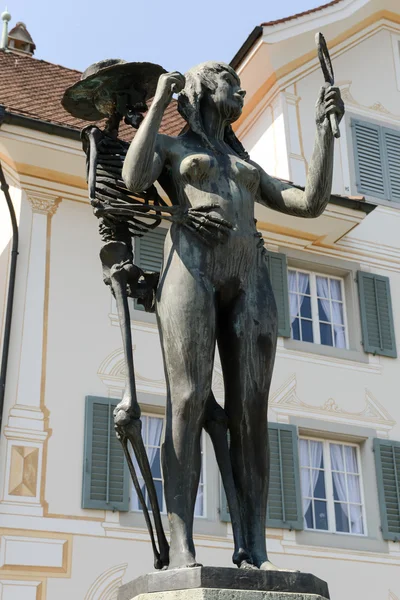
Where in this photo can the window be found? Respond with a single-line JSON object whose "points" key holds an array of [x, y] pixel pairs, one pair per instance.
{"points": [[377, 160], [151, 432], [317, 308], [331, 487]]}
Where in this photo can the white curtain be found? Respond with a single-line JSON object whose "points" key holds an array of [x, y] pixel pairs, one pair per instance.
{"points": [[151, 431], [294, 299], [310, 455], [353, 483], [337, 316]]}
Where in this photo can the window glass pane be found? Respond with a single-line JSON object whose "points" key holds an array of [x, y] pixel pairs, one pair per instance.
{"points": [[350, 453], [356, 519], [339, 486], [322, 287], [336, 289], [308, 514], [324, 310], [326, 334], [337, 313], [340, 336], [317, 457], [304, 283], [321, 514], [294, 305], [337, 461], [296, 330], [156, 464], [306, 483], [304, 453], [319, 490], [199, 506], [342, 518], [306, 331], [306, 307], [353, 485], [292, 279]]}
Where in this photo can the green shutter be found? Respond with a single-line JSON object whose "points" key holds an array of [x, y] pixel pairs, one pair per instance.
{"points": [[369, 159], [391, 140], [105, 472], [376, 314], [277, 266], [387, 461], [149, 250], [284, 496]]}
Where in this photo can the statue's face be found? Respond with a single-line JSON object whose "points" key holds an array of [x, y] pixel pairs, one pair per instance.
{"points": [[228, 96]]}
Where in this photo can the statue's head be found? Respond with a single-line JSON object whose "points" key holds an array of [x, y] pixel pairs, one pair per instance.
{"points": [[215, 85]]}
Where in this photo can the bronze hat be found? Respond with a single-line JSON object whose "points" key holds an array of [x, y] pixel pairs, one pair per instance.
{"points": [[94, 96]]}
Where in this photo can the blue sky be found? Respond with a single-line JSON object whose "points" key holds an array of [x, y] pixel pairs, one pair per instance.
{"points": [[175, 33]]}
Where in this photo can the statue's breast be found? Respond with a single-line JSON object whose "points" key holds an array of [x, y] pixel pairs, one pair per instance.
{"points": [[198, 167]]}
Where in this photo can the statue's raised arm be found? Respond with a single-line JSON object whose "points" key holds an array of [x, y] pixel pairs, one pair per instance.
{"points": [[312, 201]]}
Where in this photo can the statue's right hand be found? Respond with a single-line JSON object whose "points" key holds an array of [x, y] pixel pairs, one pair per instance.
{"points": [[168, 84]]}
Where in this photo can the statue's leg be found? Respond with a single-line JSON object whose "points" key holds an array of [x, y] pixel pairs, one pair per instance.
{"points": [[247, 343], [186, 318]]}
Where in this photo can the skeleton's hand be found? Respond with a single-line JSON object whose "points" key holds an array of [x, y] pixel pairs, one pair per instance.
{"points": [[209, 226], [329, 102]]}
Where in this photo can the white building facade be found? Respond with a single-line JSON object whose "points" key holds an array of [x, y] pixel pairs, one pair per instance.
{"points": [[69, 519]]}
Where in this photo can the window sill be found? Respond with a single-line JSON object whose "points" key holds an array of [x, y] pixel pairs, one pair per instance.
{"points": [[344, 542], [327, 351]]}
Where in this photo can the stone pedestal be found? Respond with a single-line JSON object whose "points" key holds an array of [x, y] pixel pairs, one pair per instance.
{"points": [[215, 583]]}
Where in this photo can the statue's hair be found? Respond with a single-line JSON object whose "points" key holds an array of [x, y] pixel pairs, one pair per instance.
{"points": [[199, 81]]}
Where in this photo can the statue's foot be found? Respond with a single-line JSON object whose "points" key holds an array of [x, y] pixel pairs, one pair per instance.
{"points": [[267, 565], [182, 560], [247, 566]]}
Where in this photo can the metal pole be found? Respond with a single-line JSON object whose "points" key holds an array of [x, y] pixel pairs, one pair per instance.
{"points": [[10, 295]]}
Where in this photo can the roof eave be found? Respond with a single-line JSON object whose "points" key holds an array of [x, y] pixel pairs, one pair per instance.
{"points": [[246, 46], [38, 125]]}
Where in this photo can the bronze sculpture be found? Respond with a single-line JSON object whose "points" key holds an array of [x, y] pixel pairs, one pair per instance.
{"points": [[214, 286]]}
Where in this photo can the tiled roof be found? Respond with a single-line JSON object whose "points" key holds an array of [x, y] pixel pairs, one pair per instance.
{"points": [[33, 88], [302, 14]]}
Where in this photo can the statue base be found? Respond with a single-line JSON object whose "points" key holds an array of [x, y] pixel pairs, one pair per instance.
{"points": [[218, 583]]}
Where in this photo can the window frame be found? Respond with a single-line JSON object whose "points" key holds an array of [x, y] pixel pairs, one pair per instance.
{"points": [[147, 413], [314, 306], [329, 487]]}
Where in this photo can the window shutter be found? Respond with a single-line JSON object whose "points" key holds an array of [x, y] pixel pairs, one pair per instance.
{"points": [[376, 314], [391, 140], [149, 250], [284, 496], [387, 461], [368, 157], [105, 472], [277, 266]]}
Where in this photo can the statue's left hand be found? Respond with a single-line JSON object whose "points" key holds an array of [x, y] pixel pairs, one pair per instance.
{"points": [[329, 102]]}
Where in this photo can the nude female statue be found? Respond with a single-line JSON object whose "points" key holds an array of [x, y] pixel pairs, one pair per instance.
{"points": [[215, 287]]}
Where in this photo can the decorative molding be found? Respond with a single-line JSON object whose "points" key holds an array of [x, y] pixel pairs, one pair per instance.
{"points": [[376, 107], [43, 204], [105, 587], [392, 596], [24, 471], [286, 401], [34, 553]]}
